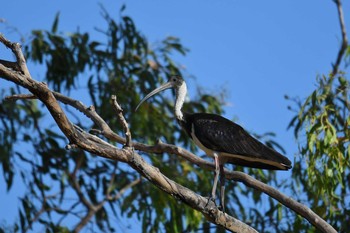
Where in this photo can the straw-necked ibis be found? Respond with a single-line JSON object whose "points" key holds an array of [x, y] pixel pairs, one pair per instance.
{"points": [[221, 139]]}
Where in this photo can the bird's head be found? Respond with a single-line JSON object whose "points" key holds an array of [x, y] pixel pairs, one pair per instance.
{"points": [[176, 82]]}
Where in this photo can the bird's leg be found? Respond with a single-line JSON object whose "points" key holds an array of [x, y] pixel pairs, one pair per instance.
{"points": [[217, 173], [222, 187]]}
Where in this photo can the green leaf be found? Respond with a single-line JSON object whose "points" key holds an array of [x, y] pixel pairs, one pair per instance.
{"points": [[330, 173], [123, 7], [22, 220], [55, 23]]}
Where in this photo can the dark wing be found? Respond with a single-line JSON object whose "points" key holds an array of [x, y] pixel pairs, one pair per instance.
{"points": [[222, 135]]}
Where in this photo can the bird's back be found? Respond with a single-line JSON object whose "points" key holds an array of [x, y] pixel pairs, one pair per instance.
{"points": [[231, 141]]}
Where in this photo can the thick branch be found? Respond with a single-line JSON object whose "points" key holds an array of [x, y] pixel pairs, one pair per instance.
{"points": [[161, 147], [289, 202], [297, 207], [97, 146], [198, 202]]}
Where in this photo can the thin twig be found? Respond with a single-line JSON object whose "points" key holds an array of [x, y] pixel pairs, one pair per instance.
{"points": [[123, 190], [84, 220], [344, 43], [17, 50], [21, 97], [82, 140], [36, 216], [162, 147], [122, 120]]}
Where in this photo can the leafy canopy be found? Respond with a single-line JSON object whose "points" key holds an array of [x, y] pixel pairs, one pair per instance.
{"points": [[123, 62]]}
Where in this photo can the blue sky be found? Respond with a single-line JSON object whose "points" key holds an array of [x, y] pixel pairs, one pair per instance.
{"points": [[258, 51]]}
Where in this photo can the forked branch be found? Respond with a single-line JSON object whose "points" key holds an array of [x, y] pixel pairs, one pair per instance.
{"points": [[90, 143]]}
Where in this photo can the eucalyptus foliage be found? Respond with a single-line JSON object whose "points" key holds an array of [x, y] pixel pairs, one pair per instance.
{"points": [[124, 63], [322, 125], [92, 66]]}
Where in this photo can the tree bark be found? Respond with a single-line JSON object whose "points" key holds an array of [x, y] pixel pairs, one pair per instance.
{"points": [[91, 143]]}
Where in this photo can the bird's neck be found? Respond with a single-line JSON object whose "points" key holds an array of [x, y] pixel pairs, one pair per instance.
{"points": [[180, 99]]}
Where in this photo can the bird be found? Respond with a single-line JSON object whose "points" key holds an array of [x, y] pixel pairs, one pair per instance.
{"points": [[221, 139]]}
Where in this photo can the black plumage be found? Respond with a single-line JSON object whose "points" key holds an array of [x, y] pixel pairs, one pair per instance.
{"points": [[221, 139], [224, 136]]}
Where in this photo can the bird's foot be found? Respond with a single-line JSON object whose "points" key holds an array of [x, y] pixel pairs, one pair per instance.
{"points": [[221, 208], [211, 198]]}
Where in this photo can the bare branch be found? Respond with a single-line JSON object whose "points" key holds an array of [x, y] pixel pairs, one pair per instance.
{"points": [[44, 208], [123, 190], [297, 207], [95, 145], [76, 187], [21, 96], [84, 220], [36, 216], [91, 208], [344, 43], [10, 64], [101, 148], [289, 202], [161, 147], [16, 49], [198, 202], [122, 120]]}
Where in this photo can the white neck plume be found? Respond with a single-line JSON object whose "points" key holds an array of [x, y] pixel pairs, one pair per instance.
{"points": [[180, 99]]}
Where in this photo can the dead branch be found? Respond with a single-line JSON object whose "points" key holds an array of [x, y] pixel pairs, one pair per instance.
{"points": [[122, 120], [344, 43], [161, 147], [97, 146], [10, 64], [21, 97], [17, 51]]}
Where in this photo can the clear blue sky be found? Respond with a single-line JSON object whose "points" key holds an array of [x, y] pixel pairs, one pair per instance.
{"points": [[257, 50]]}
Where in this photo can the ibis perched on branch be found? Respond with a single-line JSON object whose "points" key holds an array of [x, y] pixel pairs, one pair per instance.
{"points": [[221, 139]]}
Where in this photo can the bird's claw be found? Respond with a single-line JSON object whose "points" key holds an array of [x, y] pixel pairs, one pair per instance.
{"points": [[221, 208], [211, 198]]}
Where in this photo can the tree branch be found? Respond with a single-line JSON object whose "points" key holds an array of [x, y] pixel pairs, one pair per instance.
{"points": [[84, 220], [10, 64], [122, 120], [36, 216], [289, 202], [161, 147], [344, 43], [17, 51], [123, 190], [77, 189], [97, 146]]}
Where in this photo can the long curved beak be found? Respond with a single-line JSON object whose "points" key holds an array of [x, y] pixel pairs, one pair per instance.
{"points": [[155, 91]]}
